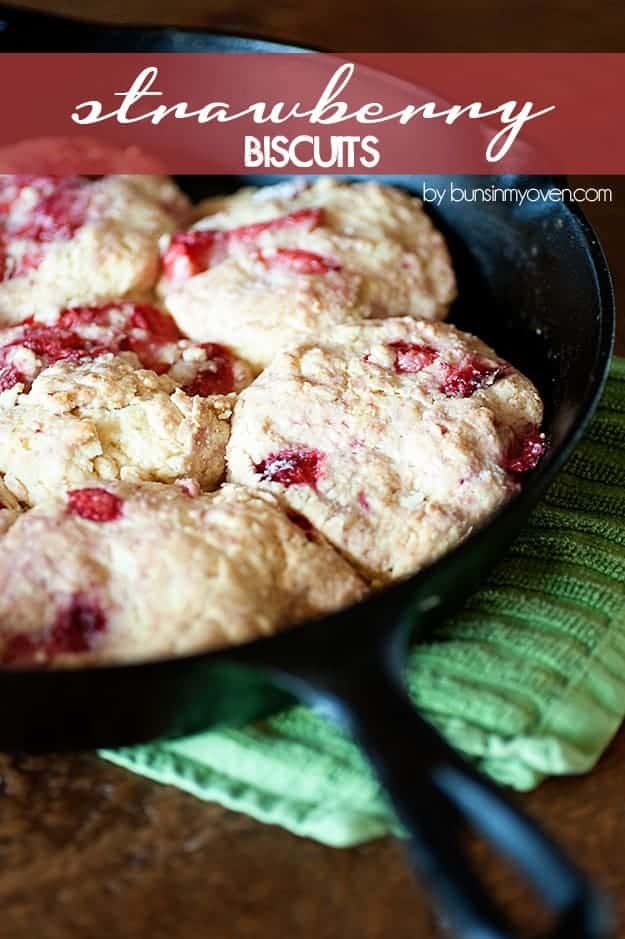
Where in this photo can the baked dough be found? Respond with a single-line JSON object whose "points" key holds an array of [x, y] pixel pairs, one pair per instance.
{"points": [[394, 438], [71, 411], [66, 241], [268, 265], [376, 439], [129, 572]]}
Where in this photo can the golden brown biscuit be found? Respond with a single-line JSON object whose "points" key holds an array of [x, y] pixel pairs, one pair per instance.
{"points": [[111, 392], [266, 267], [124, 572], [395, 438], [66, 241]]}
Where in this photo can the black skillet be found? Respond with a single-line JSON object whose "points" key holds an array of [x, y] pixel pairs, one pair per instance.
{"points": [[534, 283]]}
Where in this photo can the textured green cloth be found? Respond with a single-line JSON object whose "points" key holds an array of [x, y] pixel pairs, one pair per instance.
{"points": [[528, 680]]}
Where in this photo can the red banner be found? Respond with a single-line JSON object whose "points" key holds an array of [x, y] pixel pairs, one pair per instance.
{"points": [[311, 113]]}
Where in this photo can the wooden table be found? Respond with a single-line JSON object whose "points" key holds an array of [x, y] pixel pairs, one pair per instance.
{"points": [[90, 851]]}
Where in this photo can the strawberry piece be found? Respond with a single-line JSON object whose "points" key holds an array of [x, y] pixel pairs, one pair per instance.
{"points": [[216, 376], [10, 376], [472, 374], [75, 627], [304, 219], [155, 322], [125, 327], [411, 357], [525, 452], [145, 331], [77, 316], [95, 504], [192, 252], [159, 329], [301, 262], [363, 502], [20, 649], [138, 316], [294, 466], [189, 253], [58, 215], [50, 343], [11, 186]]}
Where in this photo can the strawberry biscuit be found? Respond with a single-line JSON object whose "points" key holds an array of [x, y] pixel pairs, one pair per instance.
{"points": [[270, 265], [111, 392], [122, 572], [395, 439], [67, 240]]}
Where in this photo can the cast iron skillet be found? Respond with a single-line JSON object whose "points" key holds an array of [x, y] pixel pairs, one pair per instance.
{"points": [[535, 284]]}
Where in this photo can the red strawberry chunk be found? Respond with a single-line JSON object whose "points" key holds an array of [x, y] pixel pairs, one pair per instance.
{"points": [[11, 186], [74, 629], [75, 317], [216, 375], [95, 504], [20, 648], [141, 316], [145, 331], [411, 357], [76, 626], [49, 343], [295, 466], [88, 332], [155, 329], [469, 376], [304, 219], [301, 262], [58, 215], [155, 322], [363, 502], [52, 344], [525, 452], [189, 253], [10, 376], [192, 252]]}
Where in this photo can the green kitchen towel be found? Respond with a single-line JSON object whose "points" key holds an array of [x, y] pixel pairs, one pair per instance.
{"points": [[528, 680]]}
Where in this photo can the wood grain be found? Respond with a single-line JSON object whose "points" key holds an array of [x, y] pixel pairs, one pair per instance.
{"points": [[90, 851]]}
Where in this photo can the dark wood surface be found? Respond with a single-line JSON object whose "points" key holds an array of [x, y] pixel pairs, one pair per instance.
{"points": [[90, 851], [394, 25]]}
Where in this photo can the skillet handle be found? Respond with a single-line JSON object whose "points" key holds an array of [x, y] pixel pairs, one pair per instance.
{"points": [[438, 798]]}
